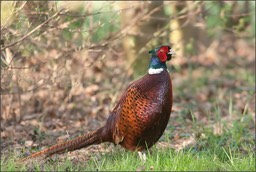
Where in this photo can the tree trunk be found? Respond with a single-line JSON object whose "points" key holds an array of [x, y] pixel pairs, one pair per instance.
{"points": [[138, 40]]}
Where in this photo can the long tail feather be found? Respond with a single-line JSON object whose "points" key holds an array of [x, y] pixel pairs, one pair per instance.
{"points": [[76, 143]]}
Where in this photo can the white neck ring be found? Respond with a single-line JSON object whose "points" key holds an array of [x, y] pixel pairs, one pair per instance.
{"points": [[152, 71]]}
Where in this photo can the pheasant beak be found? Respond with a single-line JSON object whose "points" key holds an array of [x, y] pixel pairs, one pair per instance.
{"points": [[171, 52]]}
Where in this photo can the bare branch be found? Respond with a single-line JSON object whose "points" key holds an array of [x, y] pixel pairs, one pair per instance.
{"points": [[14, 13], [99, 12], [32, 31], [8, 92]]}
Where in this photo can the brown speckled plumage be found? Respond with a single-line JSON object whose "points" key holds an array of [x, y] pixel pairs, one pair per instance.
{"points": [[137, 121], [143, 112]]}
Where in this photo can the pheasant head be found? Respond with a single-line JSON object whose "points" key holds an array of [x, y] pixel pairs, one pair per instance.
{"points": [[159, 56]]}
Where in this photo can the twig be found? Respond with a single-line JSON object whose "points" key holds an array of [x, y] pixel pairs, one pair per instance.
{"points": [[99, 12], [7, 92], [32, 31], [14, 13]]}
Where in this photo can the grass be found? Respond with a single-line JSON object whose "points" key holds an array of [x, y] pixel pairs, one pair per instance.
{"points": [[157, 160], [233, 150]]}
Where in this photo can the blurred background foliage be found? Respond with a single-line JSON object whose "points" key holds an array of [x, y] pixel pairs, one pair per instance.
{"points": [[139, 26], [64, 63]]}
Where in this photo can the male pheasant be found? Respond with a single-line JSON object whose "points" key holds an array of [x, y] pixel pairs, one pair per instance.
{"points": [[139, 118]]}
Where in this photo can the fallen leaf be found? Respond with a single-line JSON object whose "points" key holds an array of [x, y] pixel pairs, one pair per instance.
{"points": [[141, 168], [28, 143], [62, 139], [151, 167]]}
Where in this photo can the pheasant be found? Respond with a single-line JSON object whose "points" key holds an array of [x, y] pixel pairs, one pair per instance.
{"points": [[139, 118]]}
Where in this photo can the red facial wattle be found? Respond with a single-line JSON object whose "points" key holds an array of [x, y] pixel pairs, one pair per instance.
{"points": [[162, 56], [162, 53]]}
